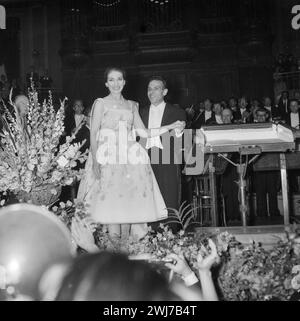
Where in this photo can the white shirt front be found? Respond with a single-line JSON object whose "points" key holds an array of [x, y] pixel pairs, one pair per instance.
{"points": [[285, 104], [207, 115], [155, 119], [269, 109], [78, 119], [295, 120], [219, 119]]}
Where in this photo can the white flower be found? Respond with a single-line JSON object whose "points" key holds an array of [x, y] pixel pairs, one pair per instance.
{"points": [[62, 204], [54, 208], [62, 161], [69, 203], [296, 269], [71, 152], [30, 166], [296, 282], [2, 202], [69, 181], [53, 191]]}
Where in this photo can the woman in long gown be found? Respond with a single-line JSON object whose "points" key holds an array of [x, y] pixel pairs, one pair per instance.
{"points": [[119, 186]]}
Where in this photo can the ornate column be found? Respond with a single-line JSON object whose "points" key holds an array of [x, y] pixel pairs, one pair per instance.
{"points": [[75, 41], [161, 15]]}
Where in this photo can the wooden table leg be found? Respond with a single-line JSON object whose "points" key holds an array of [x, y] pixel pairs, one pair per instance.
{"points": [[284, 189], [213, 189]]}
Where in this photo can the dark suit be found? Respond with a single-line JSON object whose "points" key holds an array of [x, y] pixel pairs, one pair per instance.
{"points": [[82, 134], [168, 175], [69, 192], [200, 121], [293, 174], [236, 115], [283, 108], [288, 119], [274, 112], [211, 121]]}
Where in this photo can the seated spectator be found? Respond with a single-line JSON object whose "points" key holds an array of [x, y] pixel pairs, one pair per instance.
{"points": [[46, 80], [272, 110], [227, 116], [293, 120], [283, 104], [216, 118], [261, 115], [233, 105], [293, 117], [201, 118], [229, 187], [22, 104], [265, 183]]}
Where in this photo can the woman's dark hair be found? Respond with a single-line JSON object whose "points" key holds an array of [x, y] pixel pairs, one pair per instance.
{"points": [[109, 276], [110, 69]]}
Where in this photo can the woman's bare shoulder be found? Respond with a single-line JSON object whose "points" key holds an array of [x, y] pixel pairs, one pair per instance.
{"points": [[134, 104]]}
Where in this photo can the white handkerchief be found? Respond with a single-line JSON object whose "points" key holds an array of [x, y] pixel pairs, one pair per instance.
{"points": [[154, 142]]}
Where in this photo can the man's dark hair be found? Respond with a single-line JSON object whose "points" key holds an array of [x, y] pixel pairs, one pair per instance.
{"points": [[159, 78]]}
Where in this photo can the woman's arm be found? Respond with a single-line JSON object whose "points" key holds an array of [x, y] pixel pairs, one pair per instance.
{"points": [[148, 133], [96, 114], [204, 267]]}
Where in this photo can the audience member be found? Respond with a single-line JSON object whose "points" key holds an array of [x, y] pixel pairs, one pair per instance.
{"points": [[293, 116], [265, 183], [216, 118], [293, 120], [204, 116], [283, 104], [243, 110], [227, 116]]}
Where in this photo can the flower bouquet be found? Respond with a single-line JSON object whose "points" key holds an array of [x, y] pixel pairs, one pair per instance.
{"points": [[32, 163], [252, 273]]}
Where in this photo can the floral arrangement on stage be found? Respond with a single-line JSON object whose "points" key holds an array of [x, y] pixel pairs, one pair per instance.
{"points": [[245, 273], [30, 154], [252, 273]]}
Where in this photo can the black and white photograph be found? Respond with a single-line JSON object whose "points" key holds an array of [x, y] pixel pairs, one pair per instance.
{"points": [[150, 151]]}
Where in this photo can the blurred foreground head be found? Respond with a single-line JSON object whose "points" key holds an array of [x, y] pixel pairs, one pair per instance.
{"points": [[107, 276], [31, 240]]}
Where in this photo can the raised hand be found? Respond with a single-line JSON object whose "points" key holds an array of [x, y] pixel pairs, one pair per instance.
{"points": [[179, 265], [205, 264], [177, 124], [82, 234]]}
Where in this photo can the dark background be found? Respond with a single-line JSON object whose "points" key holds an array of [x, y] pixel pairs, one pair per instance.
{"points": [[205, 48]]}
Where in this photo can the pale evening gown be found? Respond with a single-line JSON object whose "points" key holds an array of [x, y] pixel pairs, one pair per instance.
{"points": [[126, 193]]}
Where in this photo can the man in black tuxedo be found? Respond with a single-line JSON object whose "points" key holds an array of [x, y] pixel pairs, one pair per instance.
{"points": [[204, 116], [293, 120], [76, 121], [293, 117], [283, 105], [272, 110], [160, 149], [216, 118], [265, 183]]}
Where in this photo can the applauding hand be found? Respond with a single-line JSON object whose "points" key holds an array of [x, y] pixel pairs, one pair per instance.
{"points": [[82, 234], [205, 264]]}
